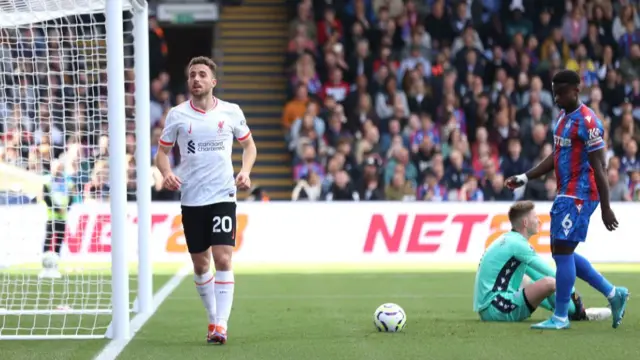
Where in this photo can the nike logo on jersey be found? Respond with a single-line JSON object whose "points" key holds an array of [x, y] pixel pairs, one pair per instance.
{"points": [[189, 127]]}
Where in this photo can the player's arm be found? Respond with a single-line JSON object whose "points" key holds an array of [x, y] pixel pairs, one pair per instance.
{"points": [[591, 133], [533, 274], [597, 160], [543, 168], [539, 268], [166, 142], [249, 154], [162, 159], [249, 151]]}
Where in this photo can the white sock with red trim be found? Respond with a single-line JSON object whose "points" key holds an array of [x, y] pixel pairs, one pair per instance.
{"points": [[206, 289], [224, 286]]}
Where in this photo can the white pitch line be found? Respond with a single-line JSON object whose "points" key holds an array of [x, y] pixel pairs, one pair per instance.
{"points": [[114, 348]]}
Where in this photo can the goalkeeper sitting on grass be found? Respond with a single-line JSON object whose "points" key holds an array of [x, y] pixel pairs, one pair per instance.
{"points": [[512, 280]]}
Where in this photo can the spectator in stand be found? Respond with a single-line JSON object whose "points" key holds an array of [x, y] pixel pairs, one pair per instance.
{"points": [[369, 187], [296, 107], [308, 163], [308, 188], [619, 191], [634, 183], [342, 188]]}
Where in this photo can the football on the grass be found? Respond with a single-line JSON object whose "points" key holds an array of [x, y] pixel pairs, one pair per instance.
{"points": [[389, 318], [49, 260]]}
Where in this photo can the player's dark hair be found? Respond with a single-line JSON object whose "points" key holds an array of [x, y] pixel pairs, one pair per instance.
{"points": [[519, 210], [203, 60], [566, 77]]}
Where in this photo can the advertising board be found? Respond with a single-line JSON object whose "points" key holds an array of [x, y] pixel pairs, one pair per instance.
{"points": [[318, 233]]}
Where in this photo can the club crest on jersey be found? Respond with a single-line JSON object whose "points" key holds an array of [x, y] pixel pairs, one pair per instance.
{"points": [[220, 126]]}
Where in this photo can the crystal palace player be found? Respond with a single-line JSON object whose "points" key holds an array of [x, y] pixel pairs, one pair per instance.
{"points": [[204, 128], [579, 161]]}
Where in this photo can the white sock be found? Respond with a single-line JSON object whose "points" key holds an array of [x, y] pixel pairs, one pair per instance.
{"points": [[224, 296], [205, 287], [612, 293]]}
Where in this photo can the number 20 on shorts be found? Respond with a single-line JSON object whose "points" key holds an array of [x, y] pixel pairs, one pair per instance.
{"points": [[222, 224], [176, 242]]}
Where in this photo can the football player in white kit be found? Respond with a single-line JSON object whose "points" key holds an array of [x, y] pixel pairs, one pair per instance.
{"points": [[204, 128]]}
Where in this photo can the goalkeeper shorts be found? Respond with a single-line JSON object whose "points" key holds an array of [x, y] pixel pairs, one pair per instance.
{"points": [[509, 307]]}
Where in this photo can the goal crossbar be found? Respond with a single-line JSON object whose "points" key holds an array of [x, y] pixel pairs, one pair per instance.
{"points": [[13, 14]]}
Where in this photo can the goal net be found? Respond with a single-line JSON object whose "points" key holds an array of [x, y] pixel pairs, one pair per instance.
{"points": [[54, 162]]}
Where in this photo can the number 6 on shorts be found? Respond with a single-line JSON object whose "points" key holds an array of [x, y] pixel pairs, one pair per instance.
{"points": [[570, 218]]}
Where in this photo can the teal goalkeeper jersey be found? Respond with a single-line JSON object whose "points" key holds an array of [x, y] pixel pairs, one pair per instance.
{"points": [[503, 266]]}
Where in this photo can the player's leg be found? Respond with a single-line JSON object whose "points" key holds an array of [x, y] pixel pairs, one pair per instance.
{"points": [[586, 272], [577, 309], [549, 302], [617, 296], [223, 243], [563, 220], [49, 258], [508, 307], [48, 237], [537, 292], [59, 227], [197, 231]]}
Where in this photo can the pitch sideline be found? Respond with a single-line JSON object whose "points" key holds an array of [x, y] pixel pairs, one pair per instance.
{"points": [[114, 348]]}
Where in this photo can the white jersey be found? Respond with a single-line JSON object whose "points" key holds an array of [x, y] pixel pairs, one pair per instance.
{"points": [[205, 140]]}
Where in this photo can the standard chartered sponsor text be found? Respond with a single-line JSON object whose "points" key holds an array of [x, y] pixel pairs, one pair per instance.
{"points": [[211, 145]]}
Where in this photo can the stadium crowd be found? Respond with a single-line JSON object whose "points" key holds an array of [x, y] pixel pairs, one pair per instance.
{"points": [[441, 100], [53, 106]]}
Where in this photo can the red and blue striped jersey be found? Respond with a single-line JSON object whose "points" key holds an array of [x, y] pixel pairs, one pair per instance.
{"points": [[576, 135]]}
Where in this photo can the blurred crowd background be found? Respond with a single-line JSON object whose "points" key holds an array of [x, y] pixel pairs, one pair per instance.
{"points": [[436, 100], [441, 100], [53, 107]]}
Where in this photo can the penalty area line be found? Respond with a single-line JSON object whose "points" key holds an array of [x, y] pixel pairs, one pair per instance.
{"points": [[115, 347]]}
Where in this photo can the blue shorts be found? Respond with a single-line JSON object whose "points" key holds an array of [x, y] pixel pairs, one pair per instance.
{"points": [[570, 218]]}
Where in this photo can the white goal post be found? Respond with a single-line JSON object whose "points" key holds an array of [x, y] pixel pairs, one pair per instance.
{"points": [[58, 112]]}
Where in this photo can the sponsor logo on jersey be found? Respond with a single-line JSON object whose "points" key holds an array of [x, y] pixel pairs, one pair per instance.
{"points": [[191, 147], [561, 141], [211, 145]]}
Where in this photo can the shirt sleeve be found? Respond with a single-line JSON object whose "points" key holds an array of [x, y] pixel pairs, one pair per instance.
{"points": [[526, 255], [170, 131], [591, 132], [240, 128]]}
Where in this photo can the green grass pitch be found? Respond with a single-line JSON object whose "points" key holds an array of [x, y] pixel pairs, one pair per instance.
{"points": [[329, 316]]}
